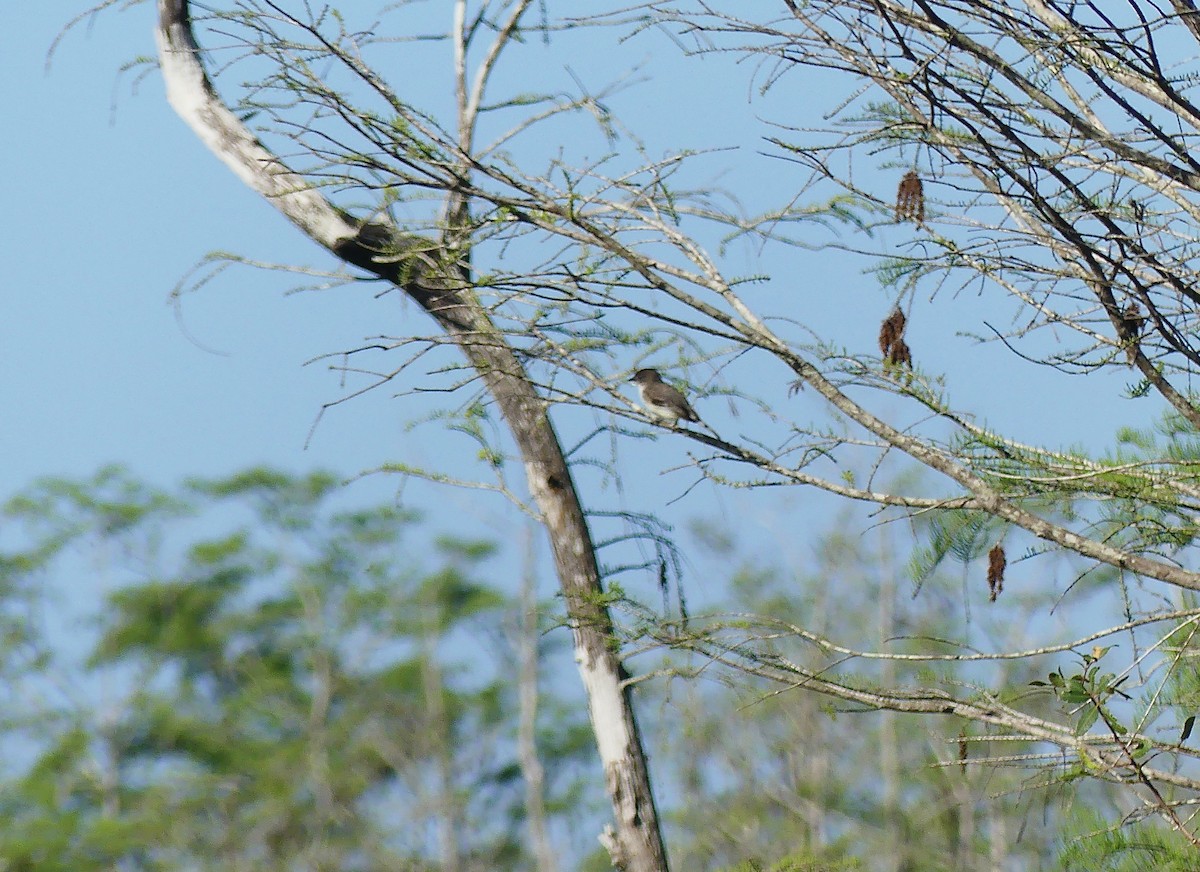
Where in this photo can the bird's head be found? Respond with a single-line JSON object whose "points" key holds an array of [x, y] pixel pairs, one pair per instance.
{"points": [[646, 377]]}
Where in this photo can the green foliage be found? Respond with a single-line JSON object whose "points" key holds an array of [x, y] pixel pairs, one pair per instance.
{"points": [[310, 686], [299, 689], [1088, 692], [799, 863], [902, 272], [778, 778], [964, 535], [1099, 847]]}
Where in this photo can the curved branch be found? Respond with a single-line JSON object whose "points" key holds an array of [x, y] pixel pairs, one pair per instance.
{"points": [[436, 277], [1104, 754]]}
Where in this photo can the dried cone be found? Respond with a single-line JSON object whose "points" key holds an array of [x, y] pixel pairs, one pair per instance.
{"points": [[995, 576], [895, 350], [900, 355], [910, 199], [890, 330]]}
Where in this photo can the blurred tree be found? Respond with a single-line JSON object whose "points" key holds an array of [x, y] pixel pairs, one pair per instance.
{"points": [[1042, 152], [274, 682], [777, 775], [289, 690]]}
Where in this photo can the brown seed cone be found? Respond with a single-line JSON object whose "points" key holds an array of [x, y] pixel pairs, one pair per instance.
{"points": [[891, 330], [900, 355], [910, 199], [995, 575]]}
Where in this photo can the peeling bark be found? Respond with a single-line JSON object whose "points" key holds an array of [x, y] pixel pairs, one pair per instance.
{"points": [[431, 274]]}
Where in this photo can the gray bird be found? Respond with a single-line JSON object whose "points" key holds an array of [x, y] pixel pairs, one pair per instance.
{"points": [[662, 400]]}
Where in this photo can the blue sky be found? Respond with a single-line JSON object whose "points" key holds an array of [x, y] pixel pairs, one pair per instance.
{"points": [[111, 201]]}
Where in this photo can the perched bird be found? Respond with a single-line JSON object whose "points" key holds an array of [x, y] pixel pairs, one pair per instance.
{"points": [[662, 400]]}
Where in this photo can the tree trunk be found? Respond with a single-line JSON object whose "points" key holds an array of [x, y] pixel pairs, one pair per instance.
{"points": [[525, 639], [432, 275]]}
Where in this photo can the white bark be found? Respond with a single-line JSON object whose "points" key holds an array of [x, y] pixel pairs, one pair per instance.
{"points": [[433, 277], [526, 641], [192, 97]]}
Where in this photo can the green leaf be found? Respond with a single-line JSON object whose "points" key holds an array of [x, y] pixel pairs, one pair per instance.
{"points": [[1086, 719]]}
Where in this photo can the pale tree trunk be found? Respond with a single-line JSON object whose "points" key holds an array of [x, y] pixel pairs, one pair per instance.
{"points": [[816, 761], [427, 270], [889, 745], [449, 821], [526, 641], [960, 802]]}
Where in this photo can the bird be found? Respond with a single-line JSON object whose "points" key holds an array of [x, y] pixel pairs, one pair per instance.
{"points": [[662, 400]]}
